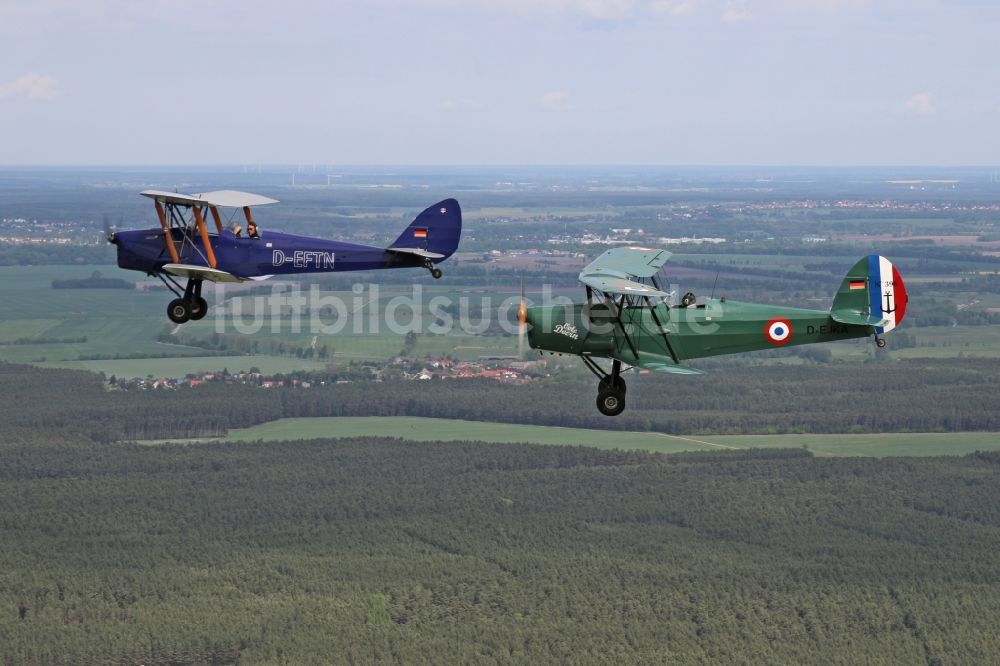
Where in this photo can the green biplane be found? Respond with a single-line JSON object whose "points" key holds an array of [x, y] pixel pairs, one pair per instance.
{"points": [[627, 319]]}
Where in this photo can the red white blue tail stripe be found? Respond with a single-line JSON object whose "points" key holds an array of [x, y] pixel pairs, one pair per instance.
{"points": [[886, 292]]}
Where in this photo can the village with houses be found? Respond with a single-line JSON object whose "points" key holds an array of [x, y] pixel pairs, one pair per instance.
{"points": [[504, 369]]}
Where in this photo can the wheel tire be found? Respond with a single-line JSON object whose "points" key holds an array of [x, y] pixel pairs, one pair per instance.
{"points": [[179, 311], [436, 273], [610, 402], [199, 309], [606, 385], [880, 343]]}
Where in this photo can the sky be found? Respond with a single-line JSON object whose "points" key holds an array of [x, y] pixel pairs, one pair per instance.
{"points": [[442, 82]]}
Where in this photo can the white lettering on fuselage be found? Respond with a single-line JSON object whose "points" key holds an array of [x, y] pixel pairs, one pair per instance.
{"points": [[569, 330], [303, 259]]}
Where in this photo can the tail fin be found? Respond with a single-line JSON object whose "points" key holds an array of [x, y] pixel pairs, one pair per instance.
{"points": [[872, 294], [437, 230]]}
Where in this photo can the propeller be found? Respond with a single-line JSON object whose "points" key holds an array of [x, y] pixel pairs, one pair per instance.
{"points": [[522, 320], [109, 230]]}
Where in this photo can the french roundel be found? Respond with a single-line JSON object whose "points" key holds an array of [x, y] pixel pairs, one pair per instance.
{"points": [[778, 331]]}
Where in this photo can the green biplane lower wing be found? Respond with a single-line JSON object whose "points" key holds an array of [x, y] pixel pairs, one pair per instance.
{"points": [[661, 364]]}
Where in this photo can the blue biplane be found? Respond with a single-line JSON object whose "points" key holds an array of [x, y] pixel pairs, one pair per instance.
{"points": [[184, 247]]}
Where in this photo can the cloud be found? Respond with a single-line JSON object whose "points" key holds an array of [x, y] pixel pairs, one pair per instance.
{"points": [[556, 100], [32, 86], [736, 12], [920, 104]]}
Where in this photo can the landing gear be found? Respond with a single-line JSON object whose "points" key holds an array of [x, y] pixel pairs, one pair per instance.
{"points": [[612, 383], [611, 402], [880, 342], [189, 305], [611, 389], [199, 308], [179, 311], [435, 271]]}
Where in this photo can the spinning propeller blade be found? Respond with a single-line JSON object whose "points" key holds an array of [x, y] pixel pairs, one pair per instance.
{"points": [[522, 320], [109, 230]]}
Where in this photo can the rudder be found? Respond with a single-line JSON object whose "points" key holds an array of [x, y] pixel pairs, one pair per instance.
{"points": [[872, 293], [437, 229]]}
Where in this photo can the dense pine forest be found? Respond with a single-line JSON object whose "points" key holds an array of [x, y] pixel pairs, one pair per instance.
{"points": [[383, 551], [375, 551]]}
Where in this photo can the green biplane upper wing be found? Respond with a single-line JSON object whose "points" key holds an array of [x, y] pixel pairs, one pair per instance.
{"points": [[614, 272], [640, 262]]}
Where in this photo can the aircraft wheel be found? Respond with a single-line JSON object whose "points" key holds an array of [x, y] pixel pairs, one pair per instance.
{"points": [[199, 308], [179, 311], [880, 343], [610, 402], [436, 273], [605, 384]]}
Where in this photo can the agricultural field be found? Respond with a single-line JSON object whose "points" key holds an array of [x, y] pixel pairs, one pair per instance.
{"points": [[431, 429]]}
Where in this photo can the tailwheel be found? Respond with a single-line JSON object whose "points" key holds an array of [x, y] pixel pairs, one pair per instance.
{"points": [[179, 310], [436, 273], [880, 342], [199, 308], [610, 402]]}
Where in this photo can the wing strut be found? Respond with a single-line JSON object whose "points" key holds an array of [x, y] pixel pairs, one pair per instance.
{"points": [[666, 338], [203, 231], [215, 216], [621, 325], [168, 238]]}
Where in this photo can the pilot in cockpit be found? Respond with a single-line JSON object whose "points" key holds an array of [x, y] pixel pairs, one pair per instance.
{"points": [[252, 230]]}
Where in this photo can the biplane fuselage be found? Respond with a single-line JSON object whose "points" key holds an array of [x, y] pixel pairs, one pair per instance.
{"points": [[709, 329], [184, 246], [274, 253], [627, 319]]}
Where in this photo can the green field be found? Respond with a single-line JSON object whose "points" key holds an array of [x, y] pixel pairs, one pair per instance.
{"points": [[426, 429], [429, 429]]}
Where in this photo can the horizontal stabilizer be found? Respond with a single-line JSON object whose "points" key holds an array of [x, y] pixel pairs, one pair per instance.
{"points": [[423, 254], [859, 318], [200, 273]]}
